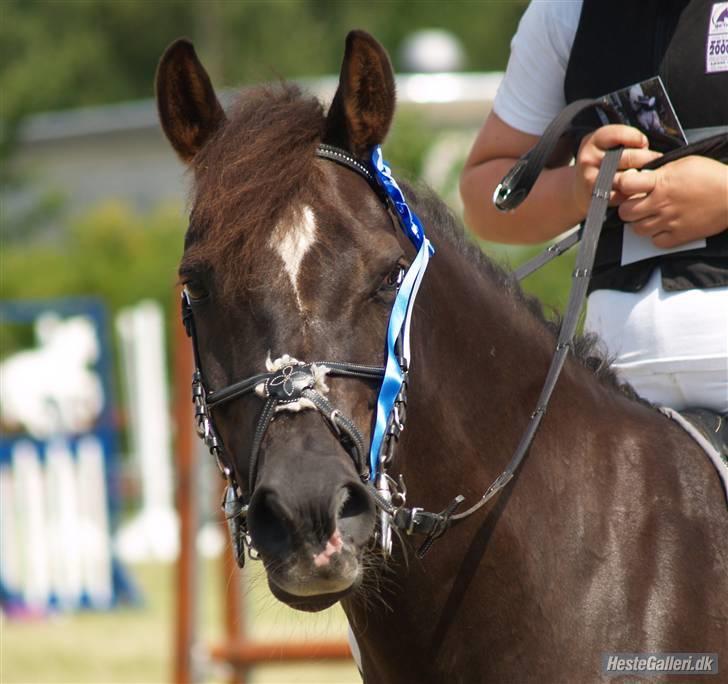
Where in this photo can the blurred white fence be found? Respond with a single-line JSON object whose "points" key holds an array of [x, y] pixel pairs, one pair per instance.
{"points": [[58, 498]]}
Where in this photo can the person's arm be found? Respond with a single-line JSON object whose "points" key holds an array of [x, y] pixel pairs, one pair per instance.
{"points": [[561, 195], [541, 216]]}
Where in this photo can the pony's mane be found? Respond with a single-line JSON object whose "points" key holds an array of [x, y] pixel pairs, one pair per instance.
{"points": [[274, 131]]}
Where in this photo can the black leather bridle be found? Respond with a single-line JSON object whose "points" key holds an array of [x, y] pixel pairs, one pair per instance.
{"points": [[291, 381]]}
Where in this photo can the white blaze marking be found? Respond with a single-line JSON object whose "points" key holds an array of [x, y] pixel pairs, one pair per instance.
{"points": [[292, 243]]}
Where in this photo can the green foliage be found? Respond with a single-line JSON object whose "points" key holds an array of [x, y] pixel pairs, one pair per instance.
{"points": [[408, 142], [304, 37], [111, 252], [56, 54]]}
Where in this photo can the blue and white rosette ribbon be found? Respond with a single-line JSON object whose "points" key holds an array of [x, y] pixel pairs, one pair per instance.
{"points": [[401, 316]]}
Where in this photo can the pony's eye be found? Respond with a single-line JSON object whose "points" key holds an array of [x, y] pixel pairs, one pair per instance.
{"points": [[195, 290], [394, 278]]}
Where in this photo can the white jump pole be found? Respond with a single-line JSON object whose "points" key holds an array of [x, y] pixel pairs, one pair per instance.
{"points": [[31, 518], [153, 534]]}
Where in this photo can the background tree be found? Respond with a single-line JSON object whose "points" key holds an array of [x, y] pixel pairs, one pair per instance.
{"points": [[60, 54], [57, 54]]}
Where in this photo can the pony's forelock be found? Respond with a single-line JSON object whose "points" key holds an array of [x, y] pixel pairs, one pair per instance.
{"points": [[255, 170]]}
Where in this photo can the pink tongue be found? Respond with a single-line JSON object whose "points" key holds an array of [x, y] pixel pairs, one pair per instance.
{"points": [[333, 545]]}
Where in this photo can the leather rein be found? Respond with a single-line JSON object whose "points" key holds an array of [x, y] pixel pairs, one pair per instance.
{"points": [[289, 380]]}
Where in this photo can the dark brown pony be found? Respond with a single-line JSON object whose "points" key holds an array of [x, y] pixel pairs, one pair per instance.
{"points": [[613, 536]]}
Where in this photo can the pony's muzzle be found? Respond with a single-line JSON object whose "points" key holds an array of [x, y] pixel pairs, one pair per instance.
{"points": [[280, 521], [311, 544]]}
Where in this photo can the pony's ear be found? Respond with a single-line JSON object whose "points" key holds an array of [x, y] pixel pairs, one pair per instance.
{"points": [[188, 107], [363, 107]]}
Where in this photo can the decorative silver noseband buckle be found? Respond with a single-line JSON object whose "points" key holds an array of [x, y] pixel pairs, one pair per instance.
{"points": [[290, 382]]}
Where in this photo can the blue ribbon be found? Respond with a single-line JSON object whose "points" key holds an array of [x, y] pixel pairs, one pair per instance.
{"points": [[402, 308], [408, 220]]}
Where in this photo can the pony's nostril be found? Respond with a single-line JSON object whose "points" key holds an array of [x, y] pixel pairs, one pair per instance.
{"points": [[355, 517], [270, 525], [355, 502]]}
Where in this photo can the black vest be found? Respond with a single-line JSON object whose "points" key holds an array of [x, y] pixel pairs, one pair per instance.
{"points": [[621, 42]]}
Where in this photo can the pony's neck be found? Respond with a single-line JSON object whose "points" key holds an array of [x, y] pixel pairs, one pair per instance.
{"points": [[479, 361]]}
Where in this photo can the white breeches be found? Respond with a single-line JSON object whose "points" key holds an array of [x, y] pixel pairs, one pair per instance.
{"points": [[672, 347]]}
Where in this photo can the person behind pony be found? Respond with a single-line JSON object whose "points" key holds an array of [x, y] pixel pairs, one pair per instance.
{"points": [[664, 319]]}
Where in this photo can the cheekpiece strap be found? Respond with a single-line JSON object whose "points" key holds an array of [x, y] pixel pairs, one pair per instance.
{"points": [[377, 172], [187, 320], [398, 329]]}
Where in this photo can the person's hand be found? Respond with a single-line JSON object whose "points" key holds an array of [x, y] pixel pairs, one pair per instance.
{"points": [[591, 152], [681, 201]]}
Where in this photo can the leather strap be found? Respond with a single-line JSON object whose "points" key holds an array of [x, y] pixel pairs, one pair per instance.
{"points": [[242, 387], [519, 181], [555, 250], [264, 421], [344, 428], [341, 157], [580, 281]]}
